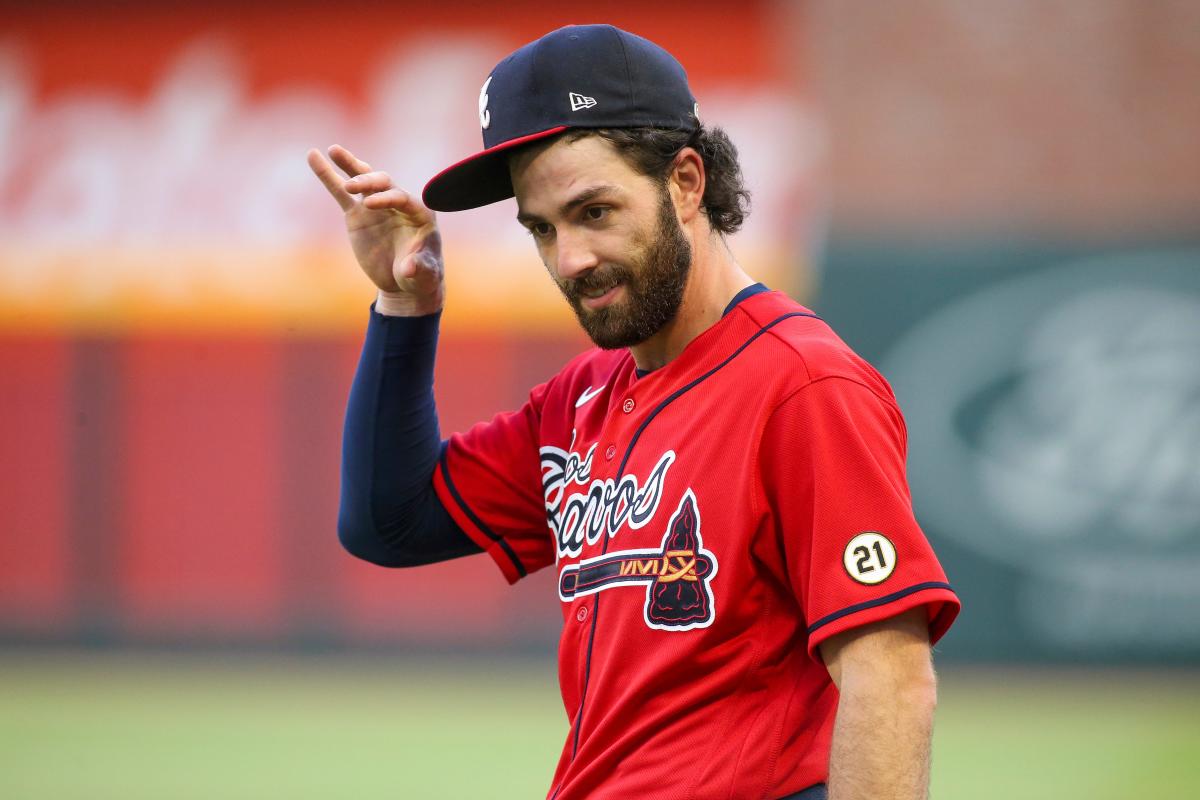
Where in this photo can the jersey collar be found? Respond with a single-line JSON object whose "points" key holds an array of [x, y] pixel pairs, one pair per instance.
{"points": [[749, 291]]}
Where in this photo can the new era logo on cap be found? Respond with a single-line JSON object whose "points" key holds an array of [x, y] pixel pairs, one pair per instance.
{"points": [[580, 101]]}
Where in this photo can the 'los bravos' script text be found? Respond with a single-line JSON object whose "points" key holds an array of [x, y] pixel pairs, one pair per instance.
{"points": [[604, 506]]}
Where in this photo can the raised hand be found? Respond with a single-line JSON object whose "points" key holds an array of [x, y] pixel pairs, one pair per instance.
{"points": [[394, 237]]}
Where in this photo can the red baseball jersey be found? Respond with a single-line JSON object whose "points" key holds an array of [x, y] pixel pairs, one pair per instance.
{"points": [[711, 523]]}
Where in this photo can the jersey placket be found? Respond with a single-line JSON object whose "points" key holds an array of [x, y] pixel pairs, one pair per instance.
{"points": [[616, 441]]}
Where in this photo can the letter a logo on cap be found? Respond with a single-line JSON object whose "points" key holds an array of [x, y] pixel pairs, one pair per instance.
{"points": [[581, 101], [485, 116]]}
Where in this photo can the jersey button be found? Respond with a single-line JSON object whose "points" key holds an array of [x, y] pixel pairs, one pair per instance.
{"points": [[610, 451], [628, 406], [581, 614]]}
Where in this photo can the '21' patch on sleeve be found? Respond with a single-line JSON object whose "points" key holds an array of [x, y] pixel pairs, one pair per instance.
{"points": [[870, 558]]}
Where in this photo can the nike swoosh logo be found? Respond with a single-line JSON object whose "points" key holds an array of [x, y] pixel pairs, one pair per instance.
{"points": [[588, 394]]}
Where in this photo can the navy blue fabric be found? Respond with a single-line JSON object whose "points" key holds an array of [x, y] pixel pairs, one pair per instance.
{"points": [[618, 79], [389, 513], [749, 291], [817, 792]]}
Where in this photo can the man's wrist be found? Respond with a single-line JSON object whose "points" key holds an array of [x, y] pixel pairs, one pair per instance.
{"points": [[406, 305]]}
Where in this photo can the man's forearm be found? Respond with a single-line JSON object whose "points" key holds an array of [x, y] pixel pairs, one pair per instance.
{"points": [[881, 739], [888, 691]]}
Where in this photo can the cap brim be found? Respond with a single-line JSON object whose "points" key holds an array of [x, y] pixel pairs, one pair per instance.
{"points": [[479, 179]]}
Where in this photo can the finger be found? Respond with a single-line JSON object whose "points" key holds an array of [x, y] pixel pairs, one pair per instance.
{"points": [[368, 182], [333, 182], [402, 201], [347, 161]]}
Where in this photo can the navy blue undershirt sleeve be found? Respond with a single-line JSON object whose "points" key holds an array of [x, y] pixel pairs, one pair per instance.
{"points": [[389, 513]]}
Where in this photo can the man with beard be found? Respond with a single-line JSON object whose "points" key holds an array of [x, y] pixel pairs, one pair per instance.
{"points": [[655, 288], [748, 602]]}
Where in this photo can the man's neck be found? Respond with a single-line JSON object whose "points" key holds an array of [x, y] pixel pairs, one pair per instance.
{"points": [[714, 279]]}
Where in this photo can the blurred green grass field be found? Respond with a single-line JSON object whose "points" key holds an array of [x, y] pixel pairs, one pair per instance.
{"points": [[154, 726]]}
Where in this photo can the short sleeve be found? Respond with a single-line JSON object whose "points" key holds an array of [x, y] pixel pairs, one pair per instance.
{"points": [[489, 479], [833, 461]]}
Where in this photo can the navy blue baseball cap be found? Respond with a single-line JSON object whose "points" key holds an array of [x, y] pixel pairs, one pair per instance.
{"points": [[580, 76]]}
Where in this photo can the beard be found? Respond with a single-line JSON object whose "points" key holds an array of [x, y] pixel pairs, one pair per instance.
{"points": [[654, 284]]}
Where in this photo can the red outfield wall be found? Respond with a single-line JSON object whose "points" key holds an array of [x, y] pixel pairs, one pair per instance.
{"points": [[158, 488]]}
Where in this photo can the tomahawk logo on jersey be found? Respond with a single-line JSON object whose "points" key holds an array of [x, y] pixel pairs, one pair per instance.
{"points": [[710, 524], [676, 575]]}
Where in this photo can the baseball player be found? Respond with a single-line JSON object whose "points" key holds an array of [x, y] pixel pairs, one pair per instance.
{"points": [[748, 603]]}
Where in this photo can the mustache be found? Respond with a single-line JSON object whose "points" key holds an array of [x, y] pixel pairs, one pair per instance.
{"points": [[593, 282]]}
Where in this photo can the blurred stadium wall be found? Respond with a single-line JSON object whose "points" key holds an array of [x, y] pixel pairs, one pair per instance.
{"points": [[997, 203], [1016, 243]]}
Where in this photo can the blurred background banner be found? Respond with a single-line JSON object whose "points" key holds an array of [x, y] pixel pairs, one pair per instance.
{"points": [[154, 174], [996, 204]]}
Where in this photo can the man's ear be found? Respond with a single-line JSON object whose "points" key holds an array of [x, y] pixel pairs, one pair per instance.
{"points": [[686, 184]]}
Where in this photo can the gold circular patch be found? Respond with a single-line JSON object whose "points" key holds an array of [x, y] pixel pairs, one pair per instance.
{"points": [[870, 558]]}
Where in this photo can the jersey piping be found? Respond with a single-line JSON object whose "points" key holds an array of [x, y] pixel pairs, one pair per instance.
{"points": [[879, 601], [480, 524]]}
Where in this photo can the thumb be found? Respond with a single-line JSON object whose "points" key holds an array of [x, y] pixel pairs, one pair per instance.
{"points": [[422, 261]]}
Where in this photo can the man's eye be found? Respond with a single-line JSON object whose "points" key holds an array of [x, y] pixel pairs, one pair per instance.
{"points": [[595, 213], [541, 229]]}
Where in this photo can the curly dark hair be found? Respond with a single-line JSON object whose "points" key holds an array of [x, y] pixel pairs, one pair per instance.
{"points": [[651, 151]]}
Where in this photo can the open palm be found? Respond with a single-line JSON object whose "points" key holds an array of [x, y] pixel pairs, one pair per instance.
{"points": [[394, 237]]}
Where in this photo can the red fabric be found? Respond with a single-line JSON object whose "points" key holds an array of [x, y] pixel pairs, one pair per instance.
{"points": [[833, 467], [496, 467], [704, 562]]}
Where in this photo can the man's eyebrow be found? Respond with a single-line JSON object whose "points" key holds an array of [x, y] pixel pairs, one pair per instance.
{"points": [[586, 196]]}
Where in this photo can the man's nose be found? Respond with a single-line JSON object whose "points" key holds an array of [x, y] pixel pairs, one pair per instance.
{"points": [[575, 256]]}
